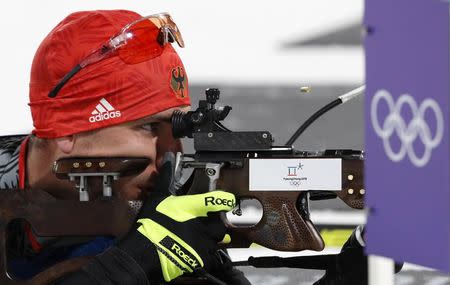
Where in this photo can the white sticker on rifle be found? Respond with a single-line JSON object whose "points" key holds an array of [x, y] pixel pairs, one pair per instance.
{"points": [[295, 174]]}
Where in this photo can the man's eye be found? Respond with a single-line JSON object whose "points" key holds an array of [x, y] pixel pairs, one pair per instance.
{"points": [[151, 127]]}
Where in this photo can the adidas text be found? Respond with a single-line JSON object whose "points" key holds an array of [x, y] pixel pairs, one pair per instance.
{"points": [[104, 116], [219, 201]]}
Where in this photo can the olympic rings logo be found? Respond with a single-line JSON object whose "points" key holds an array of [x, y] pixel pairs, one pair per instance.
{"points": [[407, 133]]}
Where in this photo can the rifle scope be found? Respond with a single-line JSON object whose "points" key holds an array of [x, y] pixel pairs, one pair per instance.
{"points": [[206, 118]]}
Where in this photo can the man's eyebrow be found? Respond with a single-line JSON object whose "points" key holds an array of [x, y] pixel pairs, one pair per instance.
{"points": [[154, 118], [164, 116]]}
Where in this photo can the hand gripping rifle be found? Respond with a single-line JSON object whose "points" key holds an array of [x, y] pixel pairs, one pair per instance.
{"points": [[245, 163]]}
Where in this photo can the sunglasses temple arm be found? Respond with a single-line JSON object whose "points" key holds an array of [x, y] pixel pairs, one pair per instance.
{"points": [[63, 82]]}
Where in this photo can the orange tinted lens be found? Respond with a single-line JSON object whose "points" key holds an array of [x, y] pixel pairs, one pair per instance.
{"points": [[177, 35], [167, 20], [142, 43]]}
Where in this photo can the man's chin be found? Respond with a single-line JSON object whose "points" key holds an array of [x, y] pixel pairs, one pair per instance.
{"points": [[135, 193], [144, 192]]}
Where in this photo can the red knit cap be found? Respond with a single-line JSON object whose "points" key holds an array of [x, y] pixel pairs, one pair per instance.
{"points": [[105, 93]]}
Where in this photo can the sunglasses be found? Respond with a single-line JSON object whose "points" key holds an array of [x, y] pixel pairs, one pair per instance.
{"points": [[138, 41]]}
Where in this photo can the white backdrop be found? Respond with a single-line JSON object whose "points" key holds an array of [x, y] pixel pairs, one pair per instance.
{"points": [[227, 42]]}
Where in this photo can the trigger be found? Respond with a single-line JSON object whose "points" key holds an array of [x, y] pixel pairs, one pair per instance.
{"points": [[238, 211]]}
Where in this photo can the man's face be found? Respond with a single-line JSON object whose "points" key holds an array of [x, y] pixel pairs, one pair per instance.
{"points": [[150, 137]]}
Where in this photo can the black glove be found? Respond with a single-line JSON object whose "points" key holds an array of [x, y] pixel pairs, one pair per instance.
{"points": [[351, 265], [184, 229]]}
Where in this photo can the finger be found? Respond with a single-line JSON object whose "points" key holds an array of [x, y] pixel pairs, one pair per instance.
{"points": [[184, 208], [165, 178], [161, 188], [226, 239], [213, 226]]}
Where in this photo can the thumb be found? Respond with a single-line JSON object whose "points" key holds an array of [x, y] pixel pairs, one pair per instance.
{"points": [[184, 208], [165, 179], [162, 186]]}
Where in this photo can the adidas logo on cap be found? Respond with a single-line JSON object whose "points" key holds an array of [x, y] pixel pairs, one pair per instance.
{"points": [[103, 111]]}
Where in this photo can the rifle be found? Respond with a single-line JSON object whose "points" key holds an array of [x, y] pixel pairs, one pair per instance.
{"points": [[224, 159], [281, 178]]}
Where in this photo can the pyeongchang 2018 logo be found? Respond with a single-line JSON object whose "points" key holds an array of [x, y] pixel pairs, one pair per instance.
{"points": [[407, 132], [293, 175]]}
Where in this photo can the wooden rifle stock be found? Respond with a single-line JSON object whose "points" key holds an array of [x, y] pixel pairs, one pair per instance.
{"points": [[284, 225], [50, 217]]}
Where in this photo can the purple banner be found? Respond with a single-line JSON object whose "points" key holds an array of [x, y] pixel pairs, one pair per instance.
{"points": [[407, 138]]}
